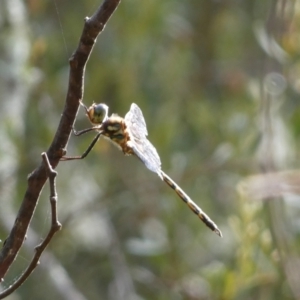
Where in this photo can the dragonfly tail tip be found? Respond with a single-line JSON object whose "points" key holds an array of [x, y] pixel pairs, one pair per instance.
{"points": [[218, 232]]}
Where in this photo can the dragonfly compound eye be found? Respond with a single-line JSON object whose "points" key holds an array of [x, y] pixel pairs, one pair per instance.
{"points": [[97, 113]]}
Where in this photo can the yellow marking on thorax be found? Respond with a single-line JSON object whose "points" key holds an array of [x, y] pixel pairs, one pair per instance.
{"points": [[121, 136]]}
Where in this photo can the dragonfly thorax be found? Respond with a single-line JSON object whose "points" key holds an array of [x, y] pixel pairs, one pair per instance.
{"points": [[115, 129]]}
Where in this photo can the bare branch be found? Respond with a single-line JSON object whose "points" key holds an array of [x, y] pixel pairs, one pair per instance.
{"points": [[55, 226], [36, 180]]}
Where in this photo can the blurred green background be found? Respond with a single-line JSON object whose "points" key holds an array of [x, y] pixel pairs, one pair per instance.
{"points": [[218, 84]]}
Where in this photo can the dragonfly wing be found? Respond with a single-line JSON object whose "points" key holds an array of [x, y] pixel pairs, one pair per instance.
{"points": [[148, 155], [140, 145], [136, 122]]}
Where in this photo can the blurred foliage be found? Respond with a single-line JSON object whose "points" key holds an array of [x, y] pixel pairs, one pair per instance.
{"points": [[218, 83]]}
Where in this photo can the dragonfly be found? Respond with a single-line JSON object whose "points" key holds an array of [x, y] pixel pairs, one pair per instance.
{"points": [[129, 134]]}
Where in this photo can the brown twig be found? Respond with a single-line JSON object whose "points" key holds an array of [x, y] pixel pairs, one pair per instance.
{"points": [[55, 226], [61, 283], [36, 180]]}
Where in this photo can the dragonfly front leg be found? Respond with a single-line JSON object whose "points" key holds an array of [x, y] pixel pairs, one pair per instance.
{"points": [[88, 150], [80, 132]]}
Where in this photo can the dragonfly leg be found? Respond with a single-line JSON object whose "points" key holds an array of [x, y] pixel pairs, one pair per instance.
{"points": [[87, 151], [80, 132], [191, 204]]}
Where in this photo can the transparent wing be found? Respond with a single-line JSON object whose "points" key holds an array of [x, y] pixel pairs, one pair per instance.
{"points": [[136, 122], [143, 149]]}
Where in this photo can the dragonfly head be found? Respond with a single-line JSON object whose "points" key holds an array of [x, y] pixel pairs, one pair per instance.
{"points": [[97, 113]]}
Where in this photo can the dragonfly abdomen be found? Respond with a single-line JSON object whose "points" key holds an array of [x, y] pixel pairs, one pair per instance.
{"points": [[191, 204]]}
